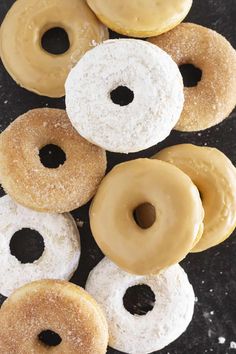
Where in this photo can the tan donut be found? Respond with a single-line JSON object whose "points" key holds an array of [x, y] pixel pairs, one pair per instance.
{"points": [[20, 41], [173, 232], [25, 178], [58, 306], [214, 97], [141, 18], [215, 177]]}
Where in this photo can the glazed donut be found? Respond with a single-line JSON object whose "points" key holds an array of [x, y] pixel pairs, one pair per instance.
{"points": [[178, 211], [142, 18], [35, 186], [58, 306], [215, 177], [169, 318], [20, 42], [150, 81], [214, 97], [61, 254]]}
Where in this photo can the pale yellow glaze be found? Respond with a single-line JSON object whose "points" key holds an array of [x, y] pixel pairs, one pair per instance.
{"points": [[179, 215], [141, 18], [215, 177], [20, 42]]}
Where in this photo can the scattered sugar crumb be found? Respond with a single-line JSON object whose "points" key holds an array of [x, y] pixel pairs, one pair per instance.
{"points": [[212, 312], [211, 290], [6, 101], [221, 340], [232, 345], [203, 281], [79, 222], [196, 299], [199, 134]]}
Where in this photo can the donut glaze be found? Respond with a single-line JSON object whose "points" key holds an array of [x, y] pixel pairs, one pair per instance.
{"points": [[179, 215], [140, 18], [215, 177], [20, 42]]}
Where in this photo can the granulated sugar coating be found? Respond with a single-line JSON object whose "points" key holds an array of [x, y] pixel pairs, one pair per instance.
{"points": [[152, 77], [214, 97], [52, 305], [25, 178]]}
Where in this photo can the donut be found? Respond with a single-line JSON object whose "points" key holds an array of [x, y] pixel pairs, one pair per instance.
{"points": [[142, 18], [173, 231], [22, 31], [35, 186], [56, 306], [142, 334], [214, 97], [215, 177], [61, 246], [121, 101]]}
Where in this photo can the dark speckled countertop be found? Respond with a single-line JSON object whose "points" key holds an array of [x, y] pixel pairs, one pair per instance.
{"points": [[212, 273]]}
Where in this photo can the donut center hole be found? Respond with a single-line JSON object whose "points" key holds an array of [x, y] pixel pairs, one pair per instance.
{"points": [[49, 338], [52, 156], [144, 215], [122, 96], [139, 300], [55, 41], [191, 74], [27, 245]]}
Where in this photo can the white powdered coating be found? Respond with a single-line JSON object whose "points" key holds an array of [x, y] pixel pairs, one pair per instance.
{"points": [[172, 312], [61, 246], [145, 69]]}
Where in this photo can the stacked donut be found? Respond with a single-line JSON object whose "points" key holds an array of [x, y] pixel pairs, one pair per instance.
{"points": [[124, 96]]}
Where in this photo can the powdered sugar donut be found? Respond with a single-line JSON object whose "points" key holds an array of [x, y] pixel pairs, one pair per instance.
{"points": [[124, 95], [61, 240], [169, 318]]}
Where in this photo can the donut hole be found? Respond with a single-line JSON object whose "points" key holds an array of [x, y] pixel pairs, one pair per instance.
{"points": [[191, 74], [144, 215], [27, 245], [55, 41], [49, 338], [52, 156], [122, 96], [139, 300]]}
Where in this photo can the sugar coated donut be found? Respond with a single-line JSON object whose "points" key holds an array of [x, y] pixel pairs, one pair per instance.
{"points": [[143, 18], [142, 334], [33, 185], [178, 215], [214, 97], [153, 95], [215, 177], [61, 242], [57, 306], [20, 42]]}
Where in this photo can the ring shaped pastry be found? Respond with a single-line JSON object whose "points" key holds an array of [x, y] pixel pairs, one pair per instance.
{"points": [[143, 18], [35, 186], [176, 227], [151, 85], [21, 50], [61, 253], [215, 177], [52, 305], [142, 334], [214, 97]]}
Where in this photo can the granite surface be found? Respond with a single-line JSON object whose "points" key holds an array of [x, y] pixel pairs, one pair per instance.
{"points": [[212, 273]]}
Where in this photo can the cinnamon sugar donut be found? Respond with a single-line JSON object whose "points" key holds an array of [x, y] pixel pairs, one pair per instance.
{"points": [[35, 186], [20, 42], [58, 306], [60, 246], [215, 177], [178, 215], [214, 97]]}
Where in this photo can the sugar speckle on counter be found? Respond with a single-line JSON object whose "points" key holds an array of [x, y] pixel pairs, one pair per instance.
{"points": [[221, 340]]}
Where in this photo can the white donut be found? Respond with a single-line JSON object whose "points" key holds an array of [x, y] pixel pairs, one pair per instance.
{"points": [[61, 253], [169, 318], [146, 70]]}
